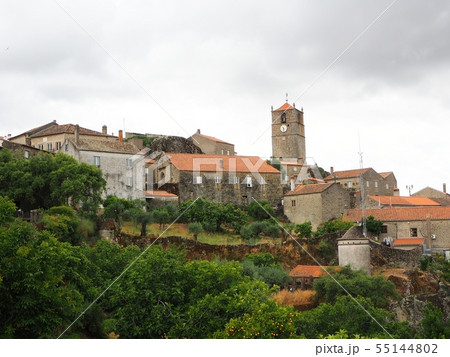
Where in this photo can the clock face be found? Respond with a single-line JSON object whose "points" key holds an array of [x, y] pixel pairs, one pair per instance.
{"points": [[283, 128]]}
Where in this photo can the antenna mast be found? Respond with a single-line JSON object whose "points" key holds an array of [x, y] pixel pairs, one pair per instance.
{"points": [[363, 199]]}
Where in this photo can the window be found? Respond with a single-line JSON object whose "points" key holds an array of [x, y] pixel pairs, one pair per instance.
{"points": [[221, 152], [49, 146], [129, 163], [66, 147], [295, 169], [228, 152], [293, 203], [262, 181], [218, 179], [413, 232], [387, 186], [249, 181], [26, 154], [41, 146], [367, 184], [236, 179], [283, 117], [129, 181], [376, 183], [58, 145], [384, 229], [198, 180], [97, 161], [349, 184]]}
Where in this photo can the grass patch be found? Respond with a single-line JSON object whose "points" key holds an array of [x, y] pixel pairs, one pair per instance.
{"points": [[295, 298]]}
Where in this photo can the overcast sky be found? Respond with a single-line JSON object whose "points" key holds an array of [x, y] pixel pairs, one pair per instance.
{"points": [[171, 67]]}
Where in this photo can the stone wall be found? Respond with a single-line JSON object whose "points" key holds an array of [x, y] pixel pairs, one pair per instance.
{"points": [[230, 192], [383, 255]]}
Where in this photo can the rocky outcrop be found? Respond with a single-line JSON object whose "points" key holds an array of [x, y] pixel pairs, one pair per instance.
{"points": [[412, 307], [174, 144]]}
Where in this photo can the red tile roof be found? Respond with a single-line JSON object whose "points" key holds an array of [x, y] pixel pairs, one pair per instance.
{"points": [[285, 106], [212, 163], [309, 189], [159, 193], [405, 200], [346, 174], [386, 174], [409, 241], [212, 138], [309, 270], [66, 129], [401, 214]]}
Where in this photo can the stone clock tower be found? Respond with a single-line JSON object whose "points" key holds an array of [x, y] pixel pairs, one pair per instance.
{"points": [[288, 133]]}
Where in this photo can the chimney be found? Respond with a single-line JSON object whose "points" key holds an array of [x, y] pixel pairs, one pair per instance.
{"points": [[120, 136], [77, 134], [198, 131], [444, 187], [292, 184], [332, 170], [396, 192], [104, 130], [428, 232]]}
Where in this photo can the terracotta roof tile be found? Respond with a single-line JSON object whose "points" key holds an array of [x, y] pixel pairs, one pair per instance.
{"points": [[310, 189], [409, 241], [386, 174], [66, 129], [106, 146], [212, 138], [159, 193], [346, 174], [212, 163], [285, 106], [401, 214], [309, 270], [37, 129], [405, 200]]}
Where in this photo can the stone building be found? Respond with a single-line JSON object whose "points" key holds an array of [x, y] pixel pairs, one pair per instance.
{"points": [[441, 197], [316, 203], [211, 145], [303, 276], [373, 183], [51, 137], [218, 178], [122, 164], [25, 150], [354, 250], [432, 223], [288, 134]]}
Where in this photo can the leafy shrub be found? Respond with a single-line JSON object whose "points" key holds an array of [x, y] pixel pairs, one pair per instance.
{"points": [[304, 230], [325, 250], [333, 226], [260, 210], [373, 225]]}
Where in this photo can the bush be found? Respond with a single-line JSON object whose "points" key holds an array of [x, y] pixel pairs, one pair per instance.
{"points": [[373, 225], [325, 250], [195, 228], [257, 210], [333, 226], [304, 230]]}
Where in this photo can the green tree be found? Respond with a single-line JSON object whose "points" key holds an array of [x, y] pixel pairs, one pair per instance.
{"points": [[44, 181], [376, 288], [195, 228], [161, 216], [116, 208], [304, 230], [7, 210], [346, 314], [260, 210], [332, 227], [43, 284], [373, 225], [432, 325], [63, 223]]}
